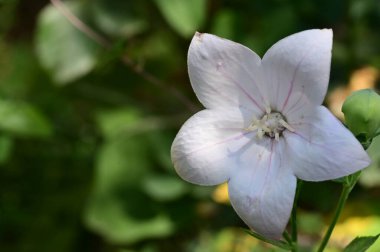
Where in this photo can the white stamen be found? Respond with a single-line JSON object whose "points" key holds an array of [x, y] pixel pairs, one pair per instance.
{"points": [[286, 125], [272, 124], [260, 133], [268, 109], [277, 136]]}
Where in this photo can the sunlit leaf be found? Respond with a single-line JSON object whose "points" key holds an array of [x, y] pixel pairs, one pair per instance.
{"points": [[63, 50], [182, 15], [361, 244], [23, 119]]}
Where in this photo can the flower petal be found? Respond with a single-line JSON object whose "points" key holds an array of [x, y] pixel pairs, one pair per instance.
{"points": [[297, 70], [206, 149], [322, 148], [224, 73], [262, 194]]}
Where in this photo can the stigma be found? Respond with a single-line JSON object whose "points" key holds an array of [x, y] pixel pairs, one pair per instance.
{"points": [[272, 124]]}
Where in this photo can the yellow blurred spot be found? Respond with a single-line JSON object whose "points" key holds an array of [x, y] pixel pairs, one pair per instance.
{"points": [[346, 231], [362, 78], [353, 226], [220, 195]]}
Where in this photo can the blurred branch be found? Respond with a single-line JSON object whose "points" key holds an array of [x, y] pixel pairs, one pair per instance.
{"points": [[102, 41]]}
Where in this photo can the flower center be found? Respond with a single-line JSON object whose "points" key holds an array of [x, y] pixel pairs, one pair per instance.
{"points": [[272, 124]]}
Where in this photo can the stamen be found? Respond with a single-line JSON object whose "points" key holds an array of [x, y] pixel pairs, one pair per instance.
{"points": [[267, 109], [251, 127], [277, 136], [260, 133], [286, 125], [265, 128], [271, 124]]}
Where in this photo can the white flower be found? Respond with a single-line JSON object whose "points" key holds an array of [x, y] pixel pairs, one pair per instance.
{"points": [[263, 125]]}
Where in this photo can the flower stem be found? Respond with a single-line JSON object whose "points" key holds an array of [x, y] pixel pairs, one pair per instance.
{"points": [[294, 212], [293, 219], [347, 187]]}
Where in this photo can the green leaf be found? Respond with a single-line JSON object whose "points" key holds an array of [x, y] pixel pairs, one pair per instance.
{"points": [[361, 244], [63, 50], [184, 16], [223, 24], [164, 188], [128, 122], [113, 123], [119, 17], [361, 112], [160, 143], [14, 59], [23, 119], [121, 162], [108, 217], [114, 209]]}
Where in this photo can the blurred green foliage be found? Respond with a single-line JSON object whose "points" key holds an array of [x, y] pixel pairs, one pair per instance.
{"points": [[85, 136]]}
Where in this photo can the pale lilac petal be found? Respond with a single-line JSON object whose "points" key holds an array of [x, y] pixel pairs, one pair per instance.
{"points": [[224, 73], [321, 148], [262, 194], [207, 147], [297, 70]]}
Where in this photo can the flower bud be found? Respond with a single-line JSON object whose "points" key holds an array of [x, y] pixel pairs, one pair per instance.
{"points": [[362, 113]]}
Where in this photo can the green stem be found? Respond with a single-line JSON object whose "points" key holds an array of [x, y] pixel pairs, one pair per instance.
{"points": [[294, 213], [347, 187]]}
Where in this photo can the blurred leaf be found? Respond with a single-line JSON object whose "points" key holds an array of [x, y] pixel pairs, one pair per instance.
{"points": [[164, 188], [112, 123], [160, 143], [118, 210], [223, 24], [311, 223], [370, 176], [121, 162], [182, 15], [23, 119], [119, 17], [129, 121], [13, 59], [64, 51], [107, 217], [361, 244], [6, 144], [7, 13]]}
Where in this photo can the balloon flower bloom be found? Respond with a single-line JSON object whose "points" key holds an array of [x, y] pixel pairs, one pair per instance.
{"points": [[263, 125]]}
